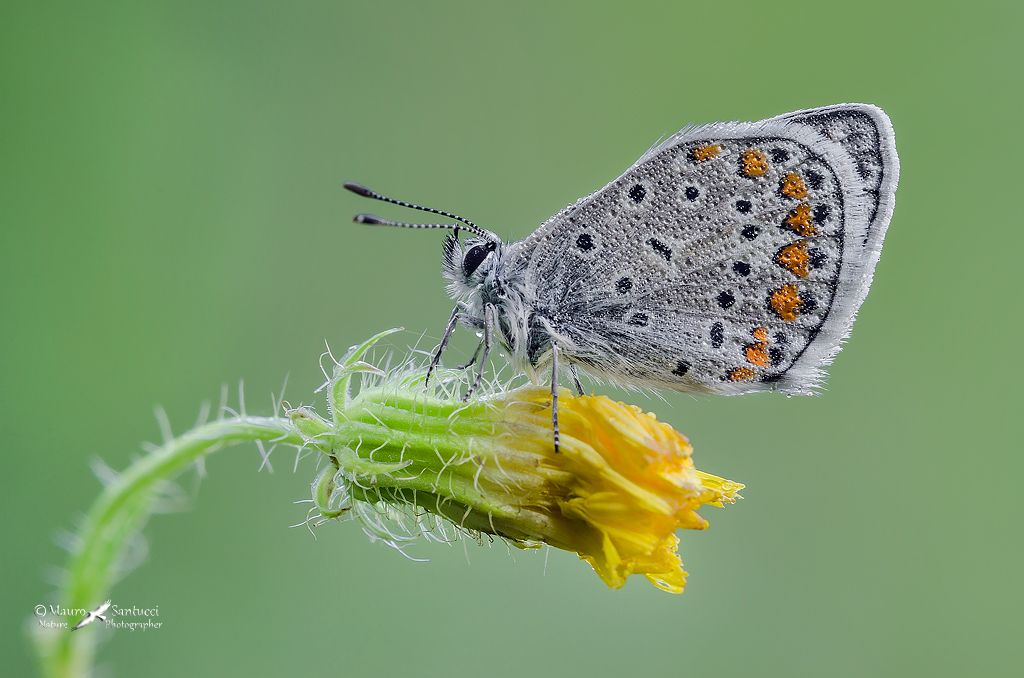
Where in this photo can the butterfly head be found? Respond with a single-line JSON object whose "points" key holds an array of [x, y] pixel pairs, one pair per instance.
{"points": [[468, 265]]}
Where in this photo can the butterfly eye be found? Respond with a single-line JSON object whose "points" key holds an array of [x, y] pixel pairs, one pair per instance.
{"points": [[475, 256]]}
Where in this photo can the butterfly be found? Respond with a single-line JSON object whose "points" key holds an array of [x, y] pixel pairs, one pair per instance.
{"points": [[730, 258]]}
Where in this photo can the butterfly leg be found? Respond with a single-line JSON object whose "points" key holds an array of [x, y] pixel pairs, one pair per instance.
{"points": [[576, 380], [472, 361], [554, 393], [448, 330], [488, 332]]}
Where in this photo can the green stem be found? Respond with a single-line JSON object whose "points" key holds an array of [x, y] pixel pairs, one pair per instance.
{"points": [[119, 513]]}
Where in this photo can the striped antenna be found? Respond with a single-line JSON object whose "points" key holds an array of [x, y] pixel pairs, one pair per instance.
{"points": [[359, 189], [374, 220]]}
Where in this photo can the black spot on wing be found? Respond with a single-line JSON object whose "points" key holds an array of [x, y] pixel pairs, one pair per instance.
{"points": [[661, 248], [682, 367], [717, 335]]}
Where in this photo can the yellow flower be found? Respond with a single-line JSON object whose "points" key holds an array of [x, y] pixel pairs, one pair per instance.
{"points": [[616, 492], [621, 485]]}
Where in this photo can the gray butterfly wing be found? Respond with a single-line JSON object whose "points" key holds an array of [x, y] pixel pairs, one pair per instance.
{"points": [[864, 131], [730, 258]]}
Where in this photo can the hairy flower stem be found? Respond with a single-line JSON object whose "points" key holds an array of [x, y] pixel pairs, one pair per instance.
{"points": [[118, 514]]}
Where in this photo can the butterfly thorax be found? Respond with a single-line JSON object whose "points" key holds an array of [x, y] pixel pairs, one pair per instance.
{"points": [[525, 326], [498, 281]]}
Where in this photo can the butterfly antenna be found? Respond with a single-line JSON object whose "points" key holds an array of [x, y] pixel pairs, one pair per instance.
{"points": [[359, 189], [374, 220]]}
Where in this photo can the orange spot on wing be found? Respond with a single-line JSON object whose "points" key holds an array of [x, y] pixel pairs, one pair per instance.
{"points": [[741, 374], [799, 220], [702, 153], [754, 163], [794, 258], [793, 186], [785, 301], [757, 353]]}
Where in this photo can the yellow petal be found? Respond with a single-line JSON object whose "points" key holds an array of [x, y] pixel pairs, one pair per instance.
{"points": [[625, 483]]}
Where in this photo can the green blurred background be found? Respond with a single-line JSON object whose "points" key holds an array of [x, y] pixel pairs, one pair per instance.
{"points": [[172, 219]]}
